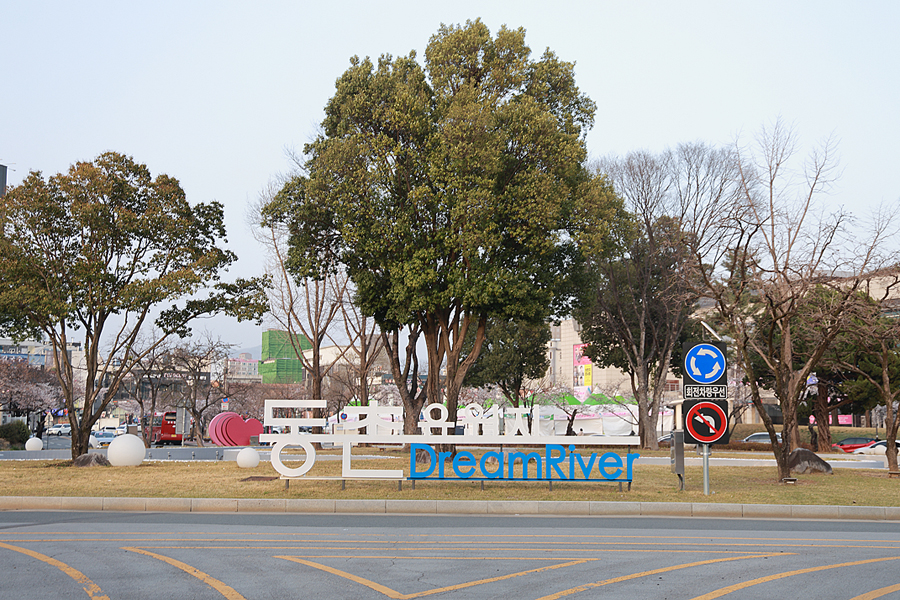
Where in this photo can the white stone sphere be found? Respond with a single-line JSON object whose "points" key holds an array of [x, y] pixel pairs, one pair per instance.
{"points": [[34, 444], [126, 450], [248, 458]]}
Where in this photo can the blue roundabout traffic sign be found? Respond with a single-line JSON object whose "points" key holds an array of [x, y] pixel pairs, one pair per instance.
{"points": [[705, 363], [705, 371]]}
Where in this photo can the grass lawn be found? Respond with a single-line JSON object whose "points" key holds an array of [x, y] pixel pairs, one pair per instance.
{"points": [[745, 485]]}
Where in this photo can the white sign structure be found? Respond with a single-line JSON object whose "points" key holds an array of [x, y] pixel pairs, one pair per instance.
{"points": [[384, 425]]}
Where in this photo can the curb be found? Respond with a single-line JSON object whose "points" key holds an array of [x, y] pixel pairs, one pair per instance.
{"points": [[455, 507]]}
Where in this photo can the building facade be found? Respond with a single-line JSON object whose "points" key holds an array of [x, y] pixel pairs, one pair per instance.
{"points": [[243, 369], [278, 359]]}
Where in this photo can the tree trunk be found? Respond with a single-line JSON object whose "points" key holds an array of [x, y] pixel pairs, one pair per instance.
{"points": [[648, 427], [890, 427], [640, 387], [777, 449], [412, 408], [435, 351], [820, 411], [81, 441], [413, 398], [570, 423]]}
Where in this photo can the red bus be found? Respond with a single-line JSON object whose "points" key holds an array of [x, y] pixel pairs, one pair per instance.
{"points": [[163, 429]]}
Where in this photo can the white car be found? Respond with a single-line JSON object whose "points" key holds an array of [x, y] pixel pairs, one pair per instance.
{"points": [[761, 437], [102, 439], [876, 448], [60, 429]]}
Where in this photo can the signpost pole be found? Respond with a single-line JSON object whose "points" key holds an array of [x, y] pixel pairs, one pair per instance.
{"points": [[705, 469], [706, 386], [677, 456]]}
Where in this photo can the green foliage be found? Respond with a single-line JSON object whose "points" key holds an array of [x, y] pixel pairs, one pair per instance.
{"points": [[866, 356], [513, 351], [449, 189], [636, 310], [107, 240], [844, 388], [16, 432], [444, 184]]}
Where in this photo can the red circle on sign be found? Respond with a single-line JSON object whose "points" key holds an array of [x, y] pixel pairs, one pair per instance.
{"points": [[716, 434]]}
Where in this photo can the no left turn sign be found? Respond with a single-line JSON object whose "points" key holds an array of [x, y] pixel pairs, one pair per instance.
{"points": [[705, 422]]}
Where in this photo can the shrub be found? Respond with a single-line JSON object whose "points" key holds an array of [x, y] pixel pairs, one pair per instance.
{"points": [[16, 432]]}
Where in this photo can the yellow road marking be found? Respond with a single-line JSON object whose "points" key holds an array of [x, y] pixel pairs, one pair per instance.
{"points": [[369, 548], [583, 545], [588, 586], [366, 582], [739, 586], [578, 559], [878, 593], [227, 591], [634, 537], [92, 589], [398, 596], [592, 546], [210, 533], [212, 536]]}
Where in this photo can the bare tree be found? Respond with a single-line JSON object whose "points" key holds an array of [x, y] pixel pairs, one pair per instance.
{"points": [[366, 348], [303, 306], [149, 385], [254, 396], [558, 396], [192, 362], [339, 388], [876, 336], [639, 298], [26, 389], [756, 227], [387, 394]]}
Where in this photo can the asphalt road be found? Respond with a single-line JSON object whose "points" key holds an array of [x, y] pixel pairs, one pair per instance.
{"points": [[253, 556], [56, 442]]}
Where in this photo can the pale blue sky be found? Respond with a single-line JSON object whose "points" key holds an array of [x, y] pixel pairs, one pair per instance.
{"points": [[214, 92]]}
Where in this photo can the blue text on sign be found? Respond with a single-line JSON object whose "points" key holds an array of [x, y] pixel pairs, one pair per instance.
{"points": [[557, 462]]}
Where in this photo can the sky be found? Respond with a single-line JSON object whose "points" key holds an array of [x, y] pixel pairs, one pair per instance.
{"points": [[218, 93]]}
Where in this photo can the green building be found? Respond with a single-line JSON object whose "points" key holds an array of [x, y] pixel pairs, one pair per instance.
{"points": [[278, 359]]}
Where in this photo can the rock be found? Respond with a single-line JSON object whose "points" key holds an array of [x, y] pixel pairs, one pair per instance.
{"points": [[91, 459], [802, 460]]}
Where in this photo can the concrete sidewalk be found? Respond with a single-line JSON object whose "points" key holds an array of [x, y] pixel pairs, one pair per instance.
{"points": [[455, 507]]}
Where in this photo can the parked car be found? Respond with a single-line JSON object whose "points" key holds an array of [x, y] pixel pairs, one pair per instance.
{"points": [[60, 429], [876, 448], [854, 443], [761, 437], [102, 438]]}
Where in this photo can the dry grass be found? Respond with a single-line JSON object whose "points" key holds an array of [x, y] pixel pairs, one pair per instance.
{"points": [[747, 485]]}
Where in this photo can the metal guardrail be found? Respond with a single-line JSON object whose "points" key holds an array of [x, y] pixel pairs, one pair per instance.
{"points": [[173, 453]]}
